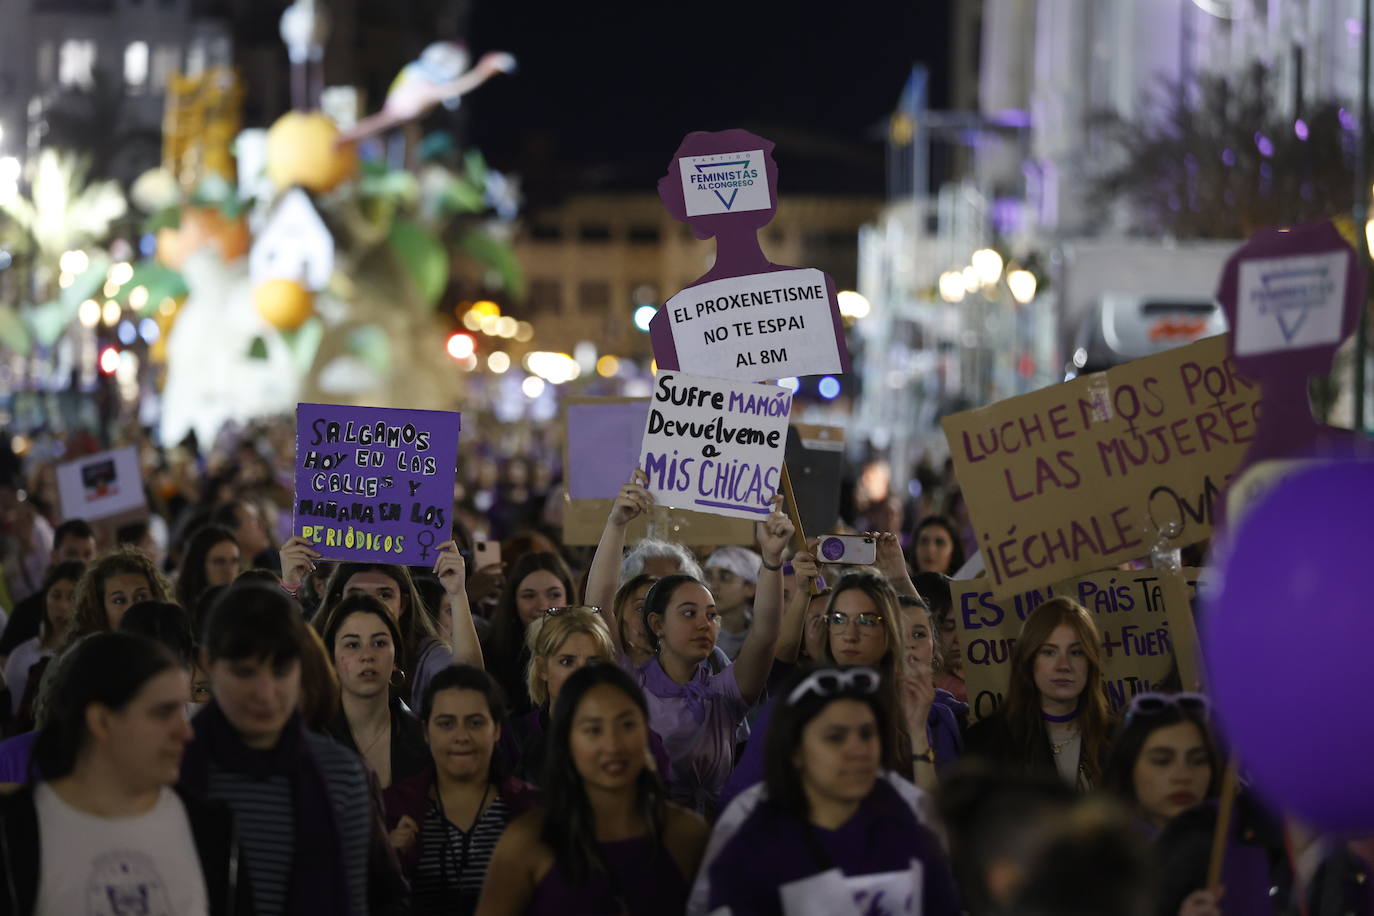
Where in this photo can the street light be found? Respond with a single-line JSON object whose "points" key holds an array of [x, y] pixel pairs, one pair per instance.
{"points": [[853, 305], [952, 286], [988, 264], [1022, 285]]}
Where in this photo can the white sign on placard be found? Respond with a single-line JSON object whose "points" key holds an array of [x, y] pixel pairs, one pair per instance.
{"points": [[725, 183], [756, 327], [102, 485], [714, 446], [1290, 303]]}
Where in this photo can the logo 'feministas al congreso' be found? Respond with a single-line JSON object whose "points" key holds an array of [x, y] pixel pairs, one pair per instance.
{"points": [[725, 183], [1290, 303]]}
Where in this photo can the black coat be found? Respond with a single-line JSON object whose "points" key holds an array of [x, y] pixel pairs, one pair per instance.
{"points": [[991, 740], [212, 826]]}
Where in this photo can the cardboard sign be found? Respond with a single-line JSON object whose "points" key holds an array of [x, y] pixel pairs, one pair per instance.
{"points": [[1105, 468], [715, 447], [756, 327], [601, 446], [1135, 613], [724, 183], [375, 483], [101, 486]]}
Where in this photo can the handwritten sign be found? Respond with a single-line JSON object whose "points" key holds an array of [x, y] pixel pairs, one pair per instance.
{"points": [[713, 446], [101, 486], [1105, 468], [601, 443], [756, 327], [1135, 612], [375, 483]]}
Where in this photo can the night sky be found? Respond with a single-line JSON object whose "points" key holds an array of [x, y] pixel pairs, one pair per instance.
{"points": [[606, 90]]}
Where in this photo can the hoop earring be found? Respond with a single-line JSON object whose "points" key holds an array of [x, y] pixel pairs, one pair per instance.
{"points": [[397, 673]]}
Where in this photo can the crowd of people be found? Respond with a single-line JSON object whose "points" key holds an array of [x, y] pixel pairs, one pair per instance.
{"points": [[205, 715]]}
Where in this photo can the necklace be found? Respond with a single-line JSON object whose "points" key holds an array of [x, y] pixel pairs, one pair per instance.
{"points": [[1067, 740], [384, 730]]}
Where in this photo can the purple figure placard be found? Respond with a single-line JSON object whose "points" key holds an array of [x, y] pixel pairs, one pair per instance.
{"points": [[747, 319], [375, 483], [1291, 296]]}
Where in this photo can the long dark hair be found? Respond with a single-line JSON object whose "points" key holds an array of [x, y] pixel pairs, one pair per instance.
{"points": [[1119, 776], [466, 677], [507, 631], [414, 623], [192, 580], [569, 822], [70, 571], [956, 556], [358, 604], [164, 622], [106, 668], [1022, 710], [784, 738]]}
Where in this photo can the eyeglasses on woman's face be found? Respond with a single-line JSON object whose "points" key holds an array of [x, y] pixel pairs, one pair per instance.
{"points": [[839, 621]]}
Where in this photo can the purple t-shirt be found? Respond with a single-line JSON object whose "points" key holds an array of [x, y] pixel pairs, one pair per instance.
{"points": [[14, 757], [697, 723]]}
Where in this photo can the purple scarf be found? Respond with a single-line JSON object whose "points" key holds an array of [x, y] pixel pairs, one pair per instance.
{"points": [[318, 882], [695, 694]]}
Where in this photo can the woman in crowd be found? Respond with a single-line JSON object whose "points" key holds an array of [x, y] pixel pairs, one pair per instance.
{"points": [[936, 546], [59, 590], [934, 588], [561, 643], [863, 626], [696, 712], [211, 558], [1165, 766], [111, 585], [362, 637], [104, 824], [606, 839], [446, 820], [537, 582], [1055, 717], [629, 617], [830, 827], [420, 653]]}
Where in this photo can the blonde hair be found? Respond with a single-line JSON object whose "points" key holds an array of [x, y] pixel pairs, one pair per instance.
{"points": [[547, 635]]}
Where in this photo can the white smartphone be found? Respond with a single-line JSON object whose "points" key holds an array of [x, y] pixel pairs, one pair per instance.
{"points": [[486, 553], [851, 549]]}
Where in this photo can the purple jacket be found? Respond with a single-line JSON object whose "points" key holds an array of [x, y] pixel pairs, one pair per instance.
{"points": [[942, 726]]}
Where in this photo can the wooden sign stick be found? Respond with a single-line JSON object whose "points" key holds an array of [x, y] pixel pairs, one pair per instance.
{"points": [[1225, 808], [798, 536]]}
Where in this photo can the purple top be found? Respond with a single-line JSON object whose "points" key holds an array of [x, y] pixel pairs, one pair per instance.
{"points": [[14, 757], [942, 731], [772, 849], [697, 722], [643, 879]]}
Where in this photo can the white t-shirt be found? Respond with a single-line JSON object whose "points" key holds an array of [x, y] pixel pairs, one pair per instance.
{"points": [[99, 866]]}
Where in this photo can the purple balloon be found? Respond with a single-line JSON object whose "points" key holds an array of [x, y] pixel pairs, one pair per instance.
{"points": [[1287, 640]]}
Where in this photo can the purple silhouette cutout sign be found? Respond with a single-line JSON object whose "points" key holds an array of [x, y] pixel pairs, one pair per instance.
{"points": [[747, 319], [1291, 296]]}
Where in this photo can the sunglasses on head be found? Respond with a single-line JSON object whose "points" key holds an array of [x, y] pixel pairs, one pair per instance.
{"points": [[1152, 704], [828, 682], [555, 611]]}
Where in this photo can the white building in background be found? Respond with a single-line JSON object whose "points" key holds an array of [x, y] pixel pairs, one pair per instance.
{"points": [[50, 44], [1019, 144]]}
